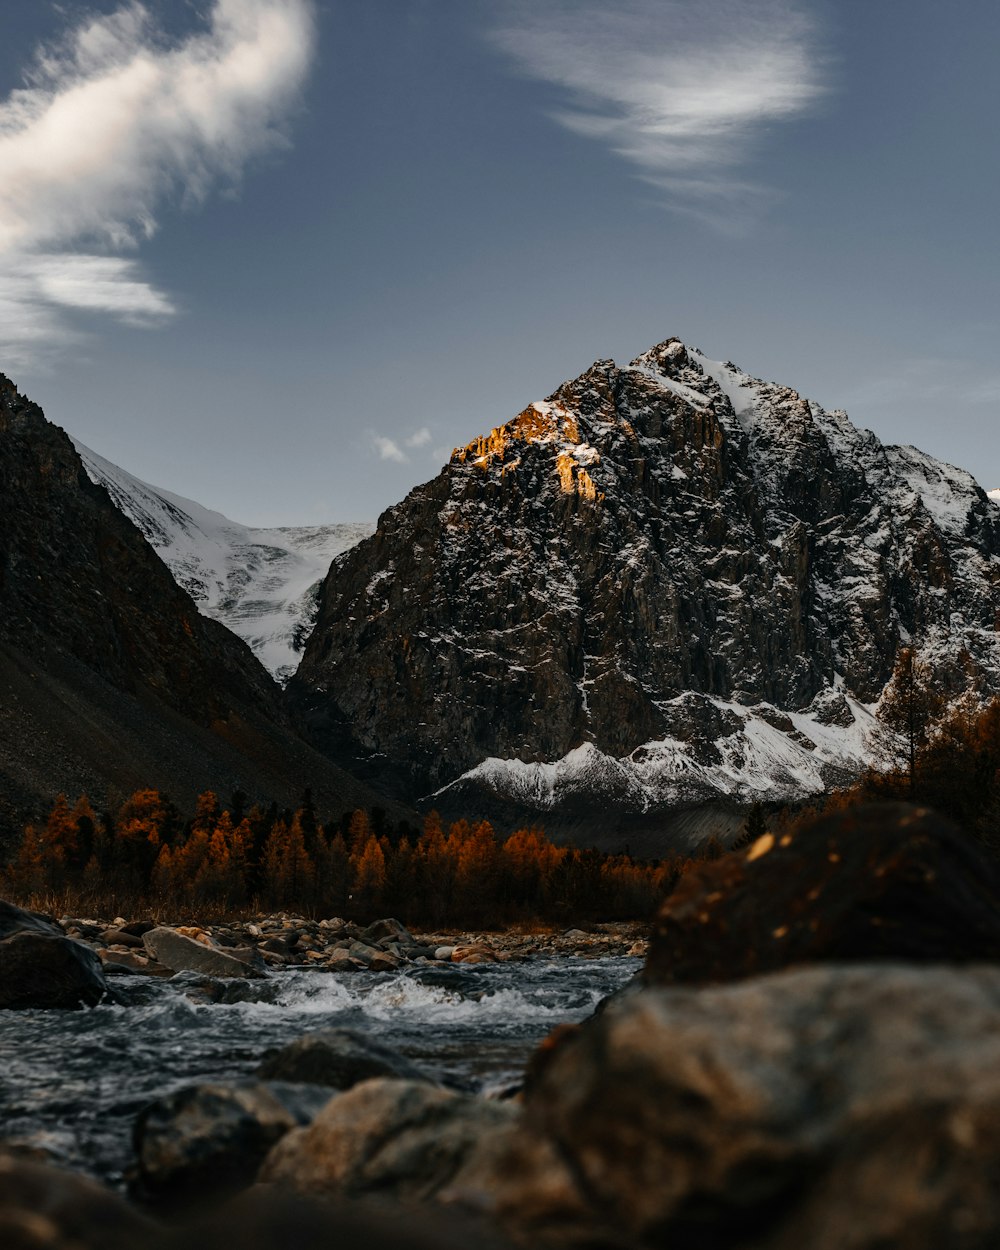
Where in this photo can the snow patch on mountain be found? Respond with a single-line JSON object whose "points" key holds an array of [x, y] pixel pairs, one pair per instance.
{"points": [[260, 583], [768, 755]]}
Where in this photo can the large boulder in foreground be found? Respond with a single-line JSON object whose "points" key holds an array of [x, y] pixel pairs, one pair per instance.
{"points": [[46, 1208], [41, 968], [205, 1141], [884, 881], [839, 1108], [402, 1139], [338, 1058]]}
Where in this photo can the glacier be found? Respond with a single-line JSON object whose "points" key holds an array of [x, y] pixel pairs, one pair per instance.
{"points": [[260, 583]]}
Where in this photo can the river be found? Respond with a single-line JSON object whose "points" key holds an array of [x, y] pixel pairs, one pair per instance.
{"points": [[73, 1082]]}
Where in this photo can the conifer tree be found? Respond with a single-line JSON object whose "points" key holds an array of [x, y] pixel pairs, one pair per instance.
{"points": [[29, 873], [369, 877], [910, 703], [296, 873], [163, 882], [86, 829], [358, 831], [60, 840], [275, 851]]}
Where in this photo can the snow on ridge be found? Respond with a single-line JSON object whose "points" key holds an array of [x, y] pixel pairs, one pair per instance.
{"points": [[947, 492], [260, 583], [736, 385], [669, 384], [994, 495], [774, 756]]}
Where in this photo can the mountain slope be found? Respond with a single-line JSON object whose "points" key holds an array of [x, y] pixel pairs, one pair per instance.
{"points": [[668, 583], [260, 583], [110, 679]]}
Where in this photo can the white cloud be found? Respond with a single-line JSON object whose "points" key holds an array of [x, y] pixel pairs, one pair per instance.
{"points": [[395, 449], [389, 449], [112, 125], [680, 90]]}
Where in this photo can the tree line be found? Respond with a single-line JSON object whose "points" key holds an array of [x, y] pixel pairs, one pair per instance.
{"points": [[227, 860]]}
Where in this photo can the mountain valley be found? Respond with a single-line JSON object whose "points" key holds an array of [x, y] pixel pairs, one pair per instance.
{"points": [[666, 592]]}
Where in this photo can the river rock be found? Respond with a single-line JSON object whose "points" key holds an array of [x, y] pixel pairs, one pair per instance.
{"points": [[41, 968], [884, 881], [387, 930], [15, 919], [339, 1059], [844, 1107], [207, 1140], [185, 954], [369, 956], [402, 1139], [120, 937], [117, 962], [46, 1208], [225, 990], [478, 953]]}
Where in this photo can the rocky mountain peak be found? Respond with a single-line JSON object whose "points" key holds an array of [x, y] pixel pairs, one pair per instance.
{"points": [[667, 581]]}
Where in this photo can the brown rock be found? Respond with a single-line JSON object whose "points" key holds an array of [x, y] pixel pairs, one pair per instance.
{"points": [[887, 881], [477, 954], [207, 1140], [338, 1058], [403, 1139], [39, 968], [837, 1108], [185, 954], [46, 1208]]}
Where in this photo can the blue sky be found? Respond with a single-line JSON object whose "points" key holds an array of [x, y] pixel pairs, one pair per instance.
{"points": [[280, 256]]}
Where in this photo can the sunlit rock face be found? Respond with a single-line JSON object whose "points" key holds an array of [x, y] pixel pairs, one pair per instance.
{"points": [[668, 582]]}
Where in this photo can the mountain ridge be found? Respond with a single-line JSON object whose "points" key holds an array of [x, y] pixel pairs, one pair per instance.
{"points": [[111, 680], [668, 583], [260, 582]]}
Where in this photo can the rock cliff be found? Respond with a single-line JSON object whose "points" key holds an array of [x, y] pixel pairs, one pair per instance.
{"points": [[110, 677], [668, 583]]}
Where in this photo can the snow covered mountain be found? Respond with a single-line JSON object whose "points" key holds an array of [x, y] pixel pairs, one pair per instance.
{"points": [[668, 583], [260, 583]]}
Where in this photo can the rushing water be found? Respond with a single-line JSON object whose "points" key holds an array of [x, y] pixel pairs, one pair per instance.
{"points": [[73, 1081]]}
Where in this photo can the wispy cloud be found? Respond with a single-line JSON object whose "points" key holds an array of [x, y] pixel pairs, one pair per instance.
{"points": [[115, 123], [396, 448], [680, 90], [389, 449]]}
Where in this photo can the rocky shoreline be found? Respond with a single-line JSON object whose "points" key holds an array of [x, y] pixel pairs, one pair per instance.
{"points": [[827, 1079], [332, 945]]}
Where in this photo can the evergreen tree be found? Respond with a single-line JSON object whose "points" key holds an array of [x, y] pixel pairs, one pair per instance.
{"points": [[29, 873], [359, 830], [86, 830], [910, 704], [369, 878], [754, 828]]}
